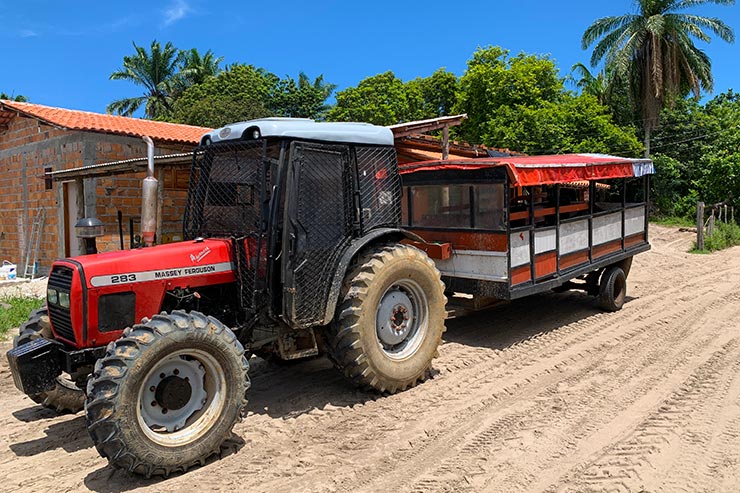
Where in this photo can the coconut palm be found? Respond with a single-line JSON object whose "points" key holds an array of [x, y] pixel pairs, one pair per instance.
{"points": [[654, 49], [196, 67], [157, 72], [595, 85]]}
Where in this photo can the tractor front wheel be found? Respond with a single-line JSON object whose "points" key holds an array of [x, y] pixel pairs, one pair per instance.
{"points": [[167, 394], [65, 397]]}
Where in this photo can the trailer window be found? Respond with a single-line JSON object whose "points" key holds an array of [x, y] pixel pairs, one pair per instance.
{"points": [[608, 195], [489, 206], [574, 199], [635, 191], [445, 206]]}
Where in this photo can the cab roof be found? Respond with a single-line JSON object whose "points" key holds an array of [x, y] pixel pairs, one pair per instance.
{"points": [[302, 128]]}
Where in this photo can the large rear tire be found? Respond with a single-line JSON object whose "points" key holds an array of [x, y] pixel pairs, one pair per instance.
{"points": [[390, 319], [167, 394], [65, 397]]}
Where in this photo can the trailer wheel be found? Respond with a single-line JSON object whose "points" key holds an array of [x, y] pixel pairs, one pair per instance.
{"points": [[167, 394], [390, 319], [612, 289], [66, 396]]}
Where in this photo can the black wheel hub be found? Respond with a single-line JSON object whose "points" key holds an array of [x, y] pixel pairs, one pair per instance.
{"points": [[173, 392]]}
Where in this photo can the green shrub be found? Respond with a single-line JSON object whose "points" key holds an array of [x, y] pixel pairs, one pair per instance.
{"points": [[724, 236], [14, 311]]}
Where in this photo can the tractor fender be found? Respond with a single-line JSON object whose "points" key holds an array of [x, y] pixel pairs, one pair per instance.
{"points": [[374, 236]]}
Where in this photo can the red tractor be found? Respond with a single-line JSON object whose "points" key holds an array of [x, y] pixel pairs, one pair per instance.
{"points": [[293, 248]]}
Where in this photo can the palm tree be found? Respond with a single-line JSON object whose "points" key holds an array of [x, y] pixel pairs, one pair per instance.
{"points": [[196, 67], [157, 72], [595, 85], [654, 49]]}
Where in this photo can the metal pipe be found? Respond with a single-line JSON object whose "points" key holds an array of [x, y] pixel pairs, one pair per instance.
{"points": [[149, 198]]}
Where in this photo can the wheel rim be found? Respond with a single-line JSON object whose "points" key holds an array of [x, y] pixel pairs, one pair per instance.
{"points": [[182, 398], [401, 320]]}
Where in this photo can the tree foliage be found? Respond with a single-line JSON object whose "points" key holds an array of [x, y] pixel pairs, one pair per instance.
{"points": [[10, 97], [241, 92], [521, 103], [156, 71], [654, 49], [245, 92], [698, 155]]}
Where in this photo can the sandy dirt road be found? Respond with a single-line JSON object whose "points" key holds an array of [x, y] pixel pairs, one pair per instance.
{"points": [[543, 394]]}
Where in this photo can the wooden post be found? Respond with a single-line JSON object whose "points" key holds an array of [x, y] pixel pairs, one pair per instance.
{"points": [[700, 225], [445, 142], [726, 214], [710, 228]]}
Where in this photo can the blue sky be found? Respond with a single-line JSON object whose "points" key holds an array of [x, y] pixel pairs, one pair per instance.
{"points": [[61, 53]]}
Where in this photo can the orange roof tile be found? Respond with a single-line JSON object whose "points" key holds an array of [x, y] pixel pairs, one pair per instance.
{"points": [[97, 122]]}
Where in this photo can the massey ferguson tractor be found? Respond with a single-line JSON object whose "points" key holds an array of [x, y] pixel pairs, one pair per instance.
{"points": [[293, 248]]}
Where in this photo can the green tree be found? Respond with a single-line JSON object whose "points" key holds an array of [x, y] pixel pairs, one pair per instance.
{"points": [[654, 49], [570, 124], [433, 96], [381, 99], [157, 72], [303, 98], [9, 97], [241, 92], [493, 80]]}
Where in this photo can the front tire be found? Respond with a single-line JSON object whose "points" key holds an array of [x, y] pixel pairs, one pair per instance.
{"points": [[167, 394], [390, 319], [65, 397]]}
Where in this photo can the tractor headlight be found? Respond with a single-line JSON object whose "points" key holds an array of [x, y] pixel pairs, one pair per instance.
{"points": [[63, 299], [52, 297]]}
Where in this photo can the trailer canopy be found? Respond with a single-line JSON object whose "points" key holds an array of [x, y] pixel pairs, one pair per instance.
{"points": [[544, 170]]}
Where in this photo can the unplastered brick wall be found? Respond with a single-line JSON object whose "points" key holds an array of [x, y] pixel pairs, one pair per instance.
{"points": [[123, 193], [28, 147]]}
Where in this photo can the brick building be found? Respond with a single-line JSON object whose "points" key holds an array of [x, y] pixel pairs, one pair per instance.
{"points": [[36, 140]]}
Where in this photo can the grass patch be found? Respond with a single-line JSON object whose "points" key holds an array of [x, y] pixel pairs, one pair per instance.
{"points": [[673, 221], [14, 316], [725, 235]]}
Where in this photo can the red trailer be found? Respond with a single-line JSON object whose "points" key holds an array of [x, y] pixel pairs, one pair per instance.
{"points": [[512, 226]]}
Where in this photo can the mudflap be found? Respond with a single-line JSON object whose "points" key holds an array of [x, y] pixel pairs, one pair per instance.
{"points": [[35, 366]]}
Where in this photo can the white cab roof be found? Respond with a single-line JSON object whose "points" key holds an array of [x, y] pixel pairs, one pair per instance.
{"points": [[303, 128]]}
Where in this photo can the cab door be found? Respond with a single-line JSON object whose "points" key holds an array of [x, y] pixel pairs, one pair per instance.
{"points": [[317, 227]]}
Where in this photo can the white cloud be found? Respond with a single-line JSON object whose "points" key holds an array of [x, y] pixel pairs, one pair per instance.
{"points": [[177, 10], [28, 33]]}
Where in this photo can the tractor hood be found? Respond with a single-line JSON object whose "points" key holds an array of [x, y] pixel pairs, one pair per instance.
{"points": [[182, 264]]}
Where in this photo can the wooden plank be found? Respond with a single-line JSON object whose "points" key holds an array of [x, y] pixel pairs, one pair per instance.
{"points": [[521, 274], [606, 248], [466, 240], [545, 264], [573, 259]]}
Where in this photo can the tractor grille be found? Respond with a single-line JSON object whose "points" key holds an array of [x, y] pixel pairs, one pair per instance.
{"points": [[61, 280]]}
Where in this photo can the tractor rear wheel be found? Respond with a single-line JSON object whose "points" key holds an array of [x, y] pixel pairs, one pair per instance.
{"points": [[167, 394], [390, 319], [65, 396]]}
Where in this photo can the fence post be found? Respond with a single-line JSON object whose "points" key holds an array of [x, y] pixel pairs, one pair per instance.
{"points": [[700, 225], [710, 227], [726, 221]]}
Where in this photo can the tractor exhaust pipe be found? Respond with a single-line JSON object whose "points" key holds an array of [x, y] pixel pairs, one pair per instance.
{"points": [[149, 198]]}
